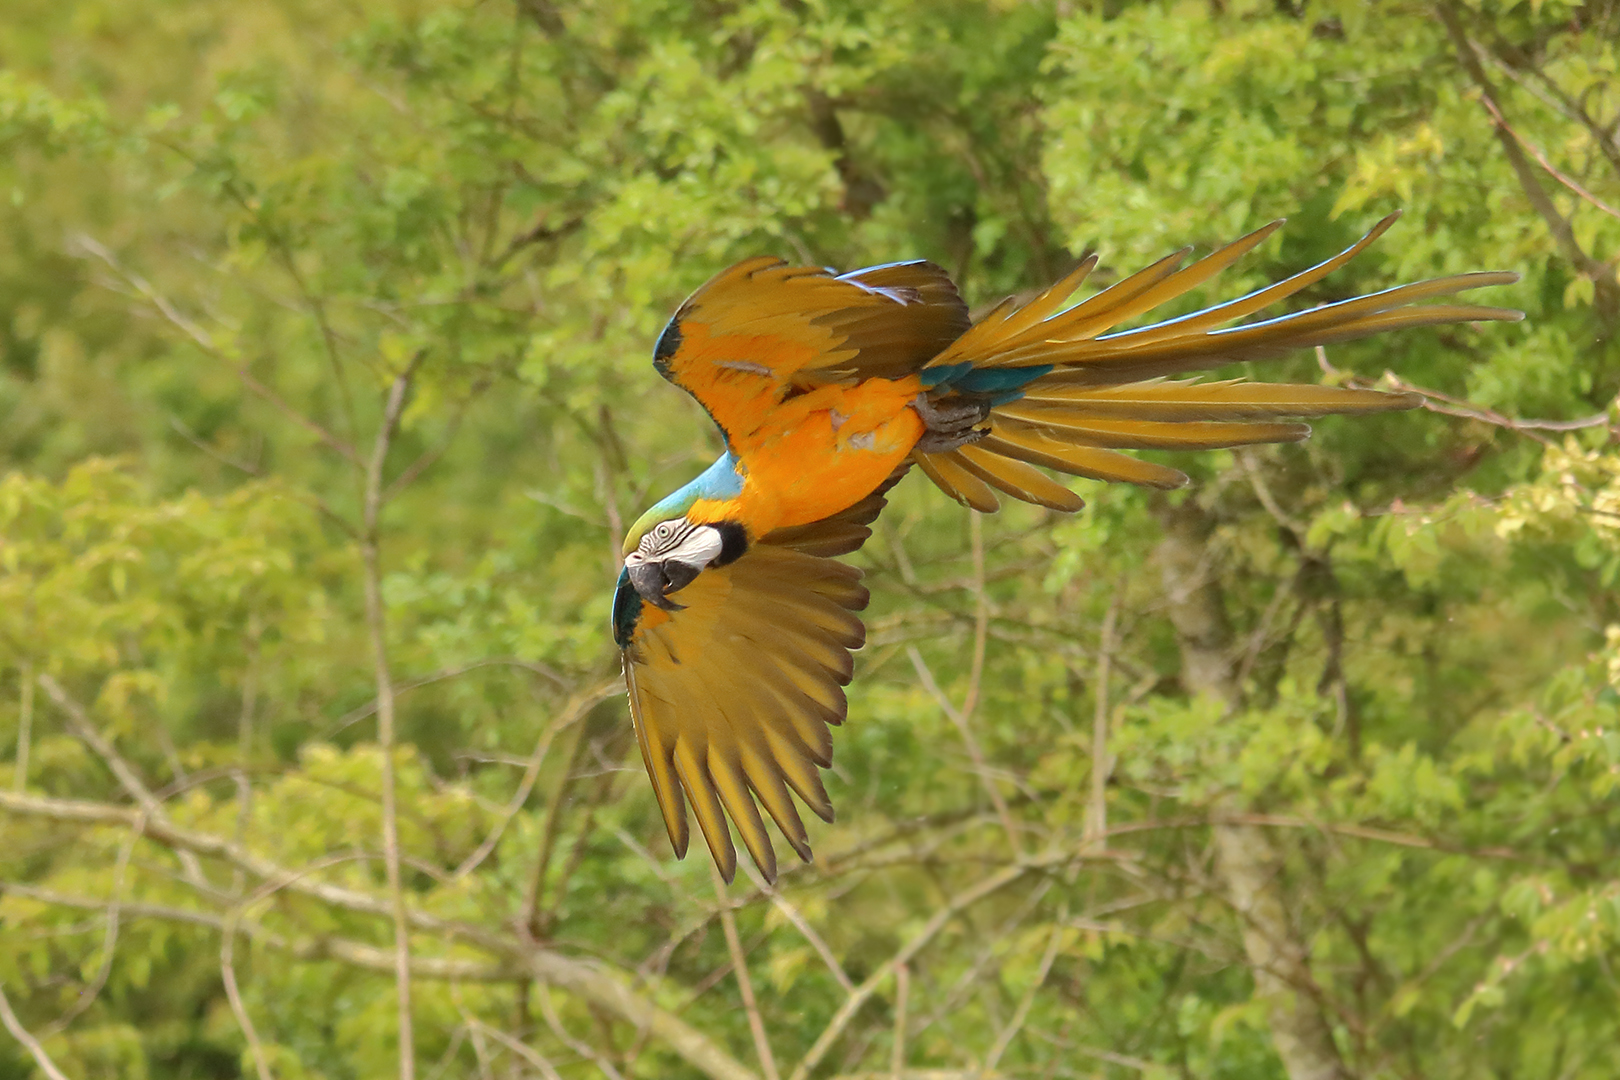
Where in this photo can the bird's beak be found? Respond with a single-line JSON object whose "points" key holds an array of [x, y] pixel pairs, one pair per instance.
{"points": [[656, 580]]}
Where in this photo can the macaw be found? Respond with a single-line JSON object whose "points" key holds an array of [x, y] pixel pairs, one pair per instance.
{"points": [[736, 621]]}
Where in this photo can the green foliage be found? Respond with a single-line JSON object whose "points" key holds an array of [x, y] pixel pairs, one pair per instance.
{"points": [[230, 234]]}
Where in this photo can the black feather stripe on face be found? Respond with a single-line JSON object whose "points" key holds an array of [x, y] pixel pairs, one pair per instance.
{"points": [[733, 543]]}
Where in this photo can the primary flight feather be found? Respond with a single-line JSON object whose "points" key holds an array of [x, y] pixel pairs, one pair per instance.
{"points": [[736, 622]]}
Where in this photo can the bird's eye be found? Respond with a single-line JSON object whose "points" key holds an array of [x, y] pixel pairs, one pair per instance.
{"points": [[663, 530]]}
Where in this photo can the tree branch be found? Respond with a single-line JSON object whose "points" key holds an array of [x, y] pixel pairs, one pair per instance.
{"points": [[1607, 293], [26, 1038], [79, 722], [1280, 961], [745, 984], [204, 340], [376, 626]]}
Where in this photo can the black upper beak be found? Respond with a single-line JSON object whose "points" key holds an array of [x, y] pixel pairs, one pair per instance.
{"points": [[655, 580]]}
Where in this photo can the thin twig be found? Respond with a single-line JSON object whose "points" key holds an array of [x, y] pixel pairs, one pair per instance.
{"points": [[26, 1037], [427, 458], [1438, 402], [78, 722], [981, 618], [902, 1000], [25, 726], [578, 1046], [1601, 276], [796, 917], [1097, 819], [1541, 158], [206, 342], [863, 993], [376, 624], [745, 985], [534, 890], [354, 716], [1262, 491], [323, 948], [527, 1053], [959, 720], [571, 714], [109, 942], [227, 967], [1021, 1014]]}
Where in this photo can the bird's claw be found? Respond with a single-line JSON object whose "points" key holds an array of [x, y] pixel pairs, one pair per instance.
{"points": [[950, 426]]}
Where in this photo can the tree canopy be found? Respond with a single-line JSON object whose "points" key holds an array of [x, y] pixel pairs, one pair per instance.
{"points": [[326, 395]]}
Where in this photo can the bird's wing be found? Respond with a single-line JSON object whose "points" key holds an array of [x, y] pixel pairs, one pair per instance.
{"points": [[1092, 391], [764, 329], [732, 695]]}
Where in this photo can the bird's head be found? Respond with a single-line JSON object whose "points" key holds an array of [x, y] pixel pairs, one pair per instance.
{"points": [[668, 554], [666, 549]]}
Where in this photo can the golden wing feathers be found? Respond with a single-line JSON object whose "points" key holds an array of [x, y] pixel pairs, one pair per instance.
{"points": [[1091, 392], [763, 328], [732, 696]]}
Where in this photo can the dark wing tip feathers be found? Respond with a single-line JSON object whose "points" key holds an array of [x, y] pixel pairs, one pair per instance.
{"points": [[668, 344]]}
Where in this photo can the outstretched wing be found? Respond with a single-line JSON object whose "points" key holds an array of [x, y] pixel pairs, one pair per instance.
{"points": [[763, 330], [733, 695]]}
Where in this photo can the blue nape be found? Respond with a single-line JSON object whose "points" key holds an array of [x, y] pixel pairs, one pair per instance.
{"points": [[722, 480]]}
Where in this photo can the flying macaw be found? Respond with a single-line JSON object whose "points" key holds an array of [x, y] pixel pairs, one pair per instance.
{"points": [[736, 622]]}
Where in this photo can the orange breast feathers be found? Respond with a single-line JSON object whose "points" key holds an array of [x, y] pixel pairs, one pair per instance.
{"points": [[819, 453]]}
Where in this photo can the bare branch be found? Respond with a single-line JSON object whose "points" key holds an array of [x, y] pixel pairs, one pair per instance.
{"points": [[1602, 277], [85, 730], [1021, 1015], [377, 630], [902, 999], [919, 941], [25, 725], [227, 967], [745, 985], [571, 714], [26, 1038], [1445, 404], [796, 917], [960, 720], [1541, 159], [204, 340]]}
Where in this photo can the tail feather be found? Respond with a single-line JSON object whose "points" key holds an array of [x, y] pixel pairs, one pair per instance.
{"points": [[1017, 479], [1228, 399], [1041, 446], [956, 480], [1133, 434], [1084, 325], [1103, 392]]}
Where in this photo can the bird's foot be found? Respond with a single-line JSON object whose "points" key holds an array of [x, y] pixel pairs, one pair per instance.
{"points": [[950, 426]]}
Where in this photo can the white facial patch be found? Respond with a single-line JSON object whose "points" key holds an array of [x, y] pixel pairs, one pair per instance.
{"points": [[700, 547], [679, 541]]}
